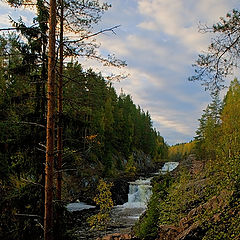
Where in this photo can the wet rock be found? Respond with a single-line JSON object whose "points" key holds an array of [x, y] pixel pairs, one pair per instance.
{"points": [[118, 236], [120, 191]]}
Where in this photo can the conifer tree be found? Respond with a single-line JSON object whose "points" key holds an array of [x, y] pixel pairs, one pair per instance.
{"points": [[222, 56], [48, 213]]}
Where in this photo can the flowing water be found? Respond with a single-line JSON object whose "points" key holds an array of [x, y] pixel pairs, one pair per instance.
{"points": [[140, 192], [168, 167], [78, 206], [123, 217]]}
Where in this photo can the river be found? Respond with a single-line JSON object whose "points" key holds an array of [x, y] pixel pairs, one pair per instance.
{"points": [[123, 217]]}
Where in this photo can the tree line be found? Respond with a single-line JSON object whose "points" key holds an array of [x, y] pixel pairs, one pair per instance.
{"points": [[52, 127], [180, 151]]}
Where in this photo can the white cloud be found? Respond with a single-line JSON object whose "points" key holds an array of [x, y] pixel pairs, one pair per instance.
{"points": [[148, 25], [179, 18], [3, 4], [177, 126], [4, 19], [159, 39], [167, 14], [26, 13], [147, 50], [114, 45]]}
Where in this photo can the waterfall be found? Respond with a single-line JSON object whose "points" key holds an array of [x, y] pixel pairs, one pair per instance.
{"points": [[139, 193], [168, 167]]}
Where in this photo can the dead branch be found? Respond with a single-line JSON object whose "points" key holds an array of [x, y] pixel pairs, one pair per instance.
{"points": [[94, 34], [29, 181], [27, 215], [31, 123]]}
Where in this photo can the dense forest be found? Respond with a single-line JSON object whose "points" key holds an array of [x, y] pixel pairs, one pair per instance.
{"points": [[102, 133], [66, 135]]}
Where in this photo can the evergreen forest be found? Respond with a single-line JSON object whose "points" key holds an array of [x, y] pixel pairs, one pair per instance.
{"points": [[68, 136], [102, 132]]}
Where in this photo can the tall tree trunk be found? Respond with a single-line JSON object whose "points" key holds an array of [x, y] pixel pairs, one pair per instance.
{"points": [[60, 127], [48, 213], [43, 79], [43, 112], [60, 102]]}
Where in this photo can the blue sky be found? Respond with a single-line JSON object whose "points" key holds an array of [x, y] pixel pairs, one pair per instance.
{"points": [[159, 40]]}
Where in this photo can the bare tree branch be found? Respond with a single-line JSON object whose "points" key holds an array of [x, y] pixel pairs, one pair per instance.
{"points": [[31, 123], [29, 181], [94, 34]]}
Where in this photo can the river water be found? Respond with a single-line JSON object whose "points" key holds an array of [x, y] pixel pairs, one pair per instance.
{"points": [[123, 217], [140, 192]]}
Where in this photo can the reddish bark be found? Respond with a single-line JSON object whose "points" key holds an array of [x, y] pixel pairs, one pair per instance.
{"points": [[60, 109], [48, 210]]}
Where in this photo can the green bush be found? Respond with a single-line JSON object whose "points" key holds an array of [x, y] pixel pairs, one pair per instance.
{"points": [[147, 227]]}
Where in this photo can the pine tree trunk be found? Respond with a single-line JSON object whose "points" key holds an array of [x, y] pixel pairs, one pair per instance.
{"points": [[60, 102], [48, 212], [60, 127]]}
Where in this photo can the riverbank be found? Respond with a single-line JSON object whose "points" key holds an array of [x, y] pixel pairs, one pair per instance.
{"points": [[121, 221], [191, 204], [123, 217]]}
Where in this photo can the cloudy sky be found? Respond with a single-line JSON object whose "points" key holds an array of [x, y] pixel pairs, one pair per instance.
{"points": [[159, 40]]}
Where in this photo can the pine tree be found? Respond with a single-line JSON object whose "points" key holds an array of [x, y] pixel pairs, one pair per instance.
{"points": [[48, 214]]}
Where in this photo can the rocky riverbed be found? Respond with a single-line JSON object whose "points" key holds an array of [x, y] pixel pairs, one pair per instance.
{"points": [[122, 220], [123, 217]]}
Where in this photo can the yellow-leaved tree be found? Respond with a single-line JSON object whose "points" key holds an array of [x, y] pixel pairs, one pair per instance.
{"points": [[104, 200]]}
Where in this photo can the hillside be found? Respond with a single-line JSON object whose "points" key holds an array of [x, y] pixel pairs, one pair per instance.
{"points": [[201, 200]]}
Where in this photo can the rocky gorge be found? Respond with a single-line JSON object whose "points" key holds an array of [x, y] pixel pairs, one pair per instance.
{"points": [[131, 204]]}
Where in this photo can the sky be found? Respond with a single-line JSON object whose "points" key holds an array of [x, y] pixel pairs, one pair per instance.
{"points": [[159, 40]]}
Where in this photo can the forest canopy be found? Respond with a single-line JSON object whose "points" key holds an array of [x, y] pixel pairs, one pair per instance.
{"points": [[101, 130]]}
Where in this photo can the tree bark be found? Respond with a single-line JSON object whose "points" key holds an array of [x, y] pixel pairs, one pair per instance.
{"points": [[60, 109], [60, 128], [48, 211]]}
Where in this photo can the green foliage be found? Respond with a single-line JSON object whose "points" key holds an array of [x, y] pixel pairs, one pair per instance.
{"points": [[101, 129], [20, 206], [105, 203], [208, 198], [206, 134], [161, 150], [92, 108], [130, 167], [221, 145], [229, 141], [147, 227], [180, 151], [181, 198]]}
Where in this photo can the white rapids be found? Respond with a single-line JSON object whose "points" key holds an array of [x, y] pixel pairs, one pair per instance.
{"points": [[123, 217], [139, 193], [168, 167]]}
